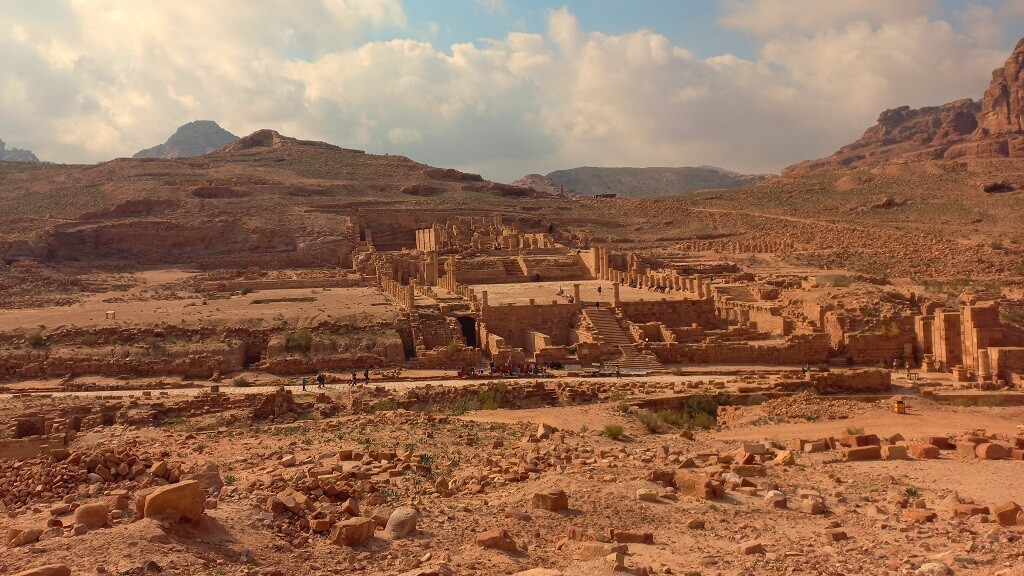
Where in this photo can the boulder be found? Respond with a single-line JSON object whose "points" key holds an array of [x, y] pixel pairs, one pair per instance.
{"points": [[18, 536], [1007, 513], [92, 515], [401, 523], [183, 500]]}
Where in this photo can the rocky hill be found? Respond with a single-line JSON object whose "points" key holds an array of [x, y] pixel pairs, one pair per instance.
{"points": [[991, 128], [638, 182], [16, 154], [266, 200], [192, 139]]}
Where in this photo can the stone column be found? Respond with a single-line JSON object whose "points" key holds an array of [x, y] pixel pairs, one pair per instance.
{"points": [[483, 297], [576, 293], [984, 366], [616, 301]]}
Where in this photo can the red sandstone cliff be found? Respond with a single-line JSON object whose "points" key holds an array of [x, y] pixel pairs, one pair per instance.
{"points": [[991, 128]]}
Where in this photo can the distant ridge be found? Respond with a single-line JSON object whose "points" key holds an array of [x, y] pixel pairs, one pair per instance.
{"points": [[638, 182], [192, 139], [16, 155]]}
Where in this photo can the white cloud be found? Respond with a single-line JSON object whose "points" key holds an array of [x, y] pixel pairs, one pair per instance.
{"points": [[770, 17], [87, 81]]}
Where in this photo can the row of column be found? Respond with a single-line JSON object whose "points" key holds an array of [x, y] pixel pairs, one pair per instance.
{"points": [[403, 294]]}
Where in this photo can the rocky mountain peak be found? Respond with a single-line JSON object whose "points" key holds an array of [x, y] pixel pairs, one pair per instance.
{"points": [[193, 139]]}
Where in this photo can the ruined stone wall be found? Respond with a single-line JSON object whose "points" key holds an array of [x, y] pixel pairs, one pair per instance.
{"points": [[766, 321], [794, 350], [282, 284], [873, 348], [570, 267], [674, 313], [947, 342], [1006, 363], [192, 361], [514, 322]]}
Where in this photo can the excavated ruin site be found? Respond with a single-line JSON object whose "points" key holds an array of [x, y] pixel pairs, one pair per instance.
{"points": [[819, 373]]}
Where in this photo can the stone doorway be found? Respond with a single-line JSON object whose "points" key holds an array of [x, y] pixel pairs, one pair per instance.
{"points": [[468, 324]]}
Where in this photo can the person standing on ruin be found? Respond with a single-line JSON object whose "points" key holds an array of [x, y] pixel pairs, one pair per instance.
{"points": [[303, 384], [366, 376], [353, 383]]}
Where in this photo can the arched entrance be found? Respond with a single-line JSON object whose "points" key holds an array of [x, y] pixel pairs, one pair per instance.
{"points": [[468, 324]]}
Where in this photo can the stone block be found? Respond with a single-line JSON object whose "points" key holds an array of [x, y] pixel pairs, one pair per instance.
{"points": [[695, 485], [176, 501], [353, 532], [632, 537], [968, 510], [818, 446], [924, 451], [835, 535], [497, 540], [595, 550], [812, 506], [862, 454], [551, 499], [894, 452], [19, 536], [919, 515], [966, 449], [748, 470], [647, 495], [1007, 513], [940, 442]]}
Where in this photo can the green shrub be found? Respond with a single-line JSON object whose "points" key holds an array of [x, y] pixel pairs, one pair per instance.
{"points": [[35, 339], [386, 405], [650, 421], [452, 348], [90, 340], [299, 342], [912, 491], [996, 244], [246, 290], [613, 431], [241, 382], [492, 397]]}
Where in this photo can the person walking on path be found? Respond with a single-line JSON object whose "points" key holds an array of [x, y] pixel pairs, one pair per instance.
{"points": [[321, 381], [353, 383], [303, 384], [366, 376]]}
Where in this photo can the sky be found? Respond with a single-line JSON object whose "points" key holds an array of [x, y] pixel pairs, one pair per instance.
{"points": [[497, 87]]}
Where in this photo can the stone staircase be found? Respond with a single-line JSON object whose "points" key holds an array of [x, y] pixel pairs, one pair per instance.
{"points": [[607, 328], [513, 270], [634, 359]]}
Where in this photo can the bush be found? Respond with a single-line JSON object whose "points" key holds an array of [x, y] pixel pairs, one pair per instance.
{"points": [[35, 339], [246, 290], [452, 349], [996, 244], [299, 342], [854, 430], [241, 382], [613, 431], [492, 397], [650, 421], [90, 340]]}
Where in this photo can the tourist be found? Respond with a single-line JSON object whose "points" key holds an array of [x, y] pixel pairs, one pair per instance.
{"points": [[321, 381], [618, 372], [353, 383], [366, 376], [895, 364], [598, 289], [303, 383]]}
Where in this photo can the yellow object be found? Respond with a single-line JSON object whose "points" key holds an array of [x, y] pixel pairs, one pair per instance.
{"points": [[899, 406]]}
